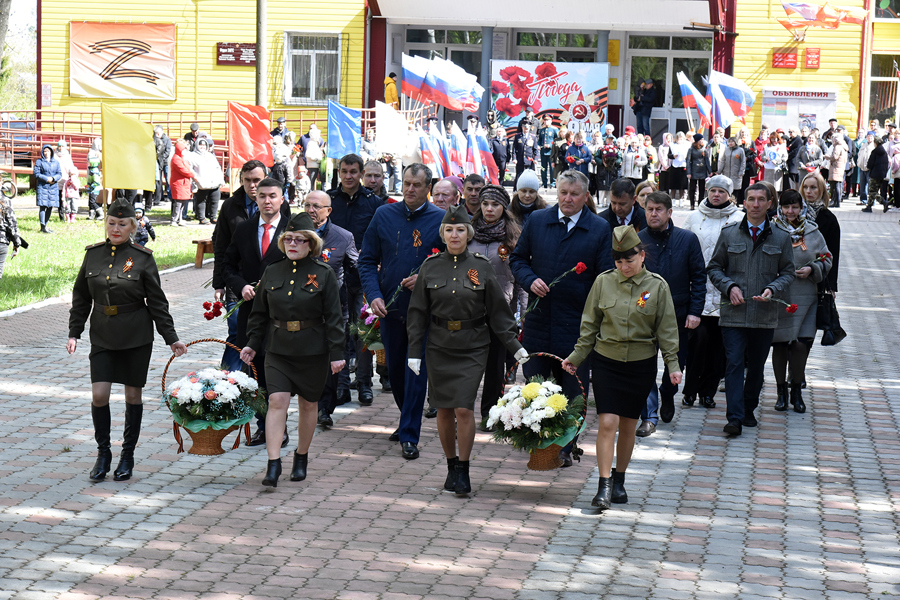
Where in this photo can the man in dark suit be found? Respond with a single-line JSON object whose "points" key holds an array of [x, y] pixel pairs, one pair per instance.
{"points": [[524, 148], [253, 247], [623, 207], [499, 150]]}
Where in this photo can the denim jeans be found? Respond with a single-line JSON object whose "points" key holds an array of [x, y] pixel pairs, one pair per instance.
{"points": [[744, 345], [408, 388], [643, 123], [666, 388], [231, 358]]}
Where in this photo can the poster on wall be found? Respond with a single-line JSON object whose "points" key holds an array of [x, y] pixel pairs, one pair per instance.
{"points": [[786, 107], [575, 94], [122, 60]]}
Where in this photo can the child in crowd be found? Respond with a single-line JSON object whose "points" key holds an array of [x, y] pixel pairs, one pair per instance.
{"points": [[145, 230], [302, 184]]}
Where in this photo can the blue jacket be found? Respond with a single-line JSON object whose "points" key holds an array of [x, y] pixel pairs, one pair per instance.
{"points": [[44, 170], [546, 250], [390, 242], [676, 255], [354, 214], [580, 152]]}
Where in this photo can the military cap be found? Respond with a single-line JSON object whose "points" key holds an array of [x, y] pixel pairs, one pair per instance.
{"points": [[457, 215], [300, 222], [625, 238], [195, 127], [121, 209], [281, 120]]}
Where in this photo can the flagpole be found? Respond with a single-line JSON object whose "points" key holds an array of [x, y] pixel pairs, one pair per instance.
{"points": [[687, 111]]}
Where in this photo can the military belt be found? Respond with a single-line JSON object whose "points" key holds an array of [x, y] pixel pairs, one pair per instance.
{"points": [[118, 309], [297, 325], [459, 325]]}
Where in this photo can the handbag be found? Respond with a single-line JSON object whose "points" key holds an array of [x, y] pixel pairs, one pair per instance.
{"points": [[828, 320]]}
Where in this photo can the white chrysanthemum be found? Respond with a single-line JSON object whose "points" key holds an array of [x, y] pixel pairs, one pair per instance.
{"points": [[552, 387], [227, 392], [213, 374]]}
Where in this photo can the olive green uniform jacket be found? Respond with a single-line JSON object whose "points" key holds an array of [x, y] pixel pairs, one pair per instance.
{"points": [[445, 289], [120, 275], [286, 293], [626, 318]]}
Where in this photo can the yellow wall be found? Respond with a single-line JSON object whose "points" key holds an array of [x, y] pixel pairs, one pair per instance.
{"points": [[760, 34], [887, 37], [202, 85]]}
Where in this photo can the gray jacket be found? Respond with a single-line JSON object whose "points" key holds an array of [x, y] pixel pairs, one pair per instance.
{"points": [[500, 263], [752, 266]]}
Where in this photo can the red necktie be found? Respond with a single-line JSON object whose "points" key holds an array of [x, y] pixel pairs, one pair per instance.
{"points": [[754, 231], [621, 220], [265, 238]]}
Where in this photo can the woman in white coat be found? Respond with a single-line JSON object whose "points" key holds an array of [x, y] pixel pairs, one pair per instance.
{"points": [[209, 182], [706, 352]]}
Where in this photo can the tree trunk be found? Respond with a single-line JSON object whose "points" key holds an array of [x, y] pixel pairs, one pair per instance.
{"points": [[5, 5]]}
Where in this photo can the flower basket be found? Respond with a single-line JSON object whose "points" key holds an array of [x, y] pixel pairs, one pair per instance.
{"points": [[381, 358], [212, 403], [537, 418]]}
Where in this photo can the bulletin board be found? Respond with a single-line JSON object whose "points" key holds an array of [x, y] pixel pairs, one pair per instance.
{"points": [[790, 107]]}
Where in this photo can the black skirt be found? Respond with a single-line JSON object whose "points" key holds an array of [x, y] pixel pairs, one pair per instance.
{"points": [[621, 388], [304, 376], [128, 367], [678, 178]]}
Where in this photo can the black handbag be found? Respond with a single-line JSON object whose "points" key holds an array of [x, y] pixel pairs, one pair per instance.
{"points": [[828, 320]]}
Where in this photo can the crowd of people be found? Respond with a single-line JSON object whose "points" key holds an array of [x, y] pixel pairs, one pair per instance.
{"points": [[447, 269]]}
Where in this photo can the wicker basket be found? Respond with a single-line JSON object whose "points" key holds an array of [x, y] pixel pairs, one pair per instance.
{"points": [[208, 442], [545, 459], [380, 358]]}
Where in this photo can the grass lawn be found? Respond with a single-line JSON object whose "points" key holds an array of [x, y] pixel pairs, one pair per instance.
{"points": [[49, 266]]}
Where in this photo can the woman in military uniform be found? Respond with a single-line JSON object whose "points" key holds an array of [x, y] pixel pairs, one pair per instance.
{"points": [[297, 301], [628, 314], [118, 286], [457, 302]]}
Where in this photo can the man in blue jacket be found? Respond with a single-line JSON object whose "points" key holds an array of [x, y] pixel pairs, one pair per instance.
{"points": [[676, 255], [352, 208], [399, 239], [553, 242]]}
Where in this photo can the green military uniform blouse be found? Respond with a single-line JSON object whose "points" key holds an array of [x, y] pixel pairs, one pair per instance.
{"points": [[624, 319], [118, 277], [459, 287], [298, 293]]}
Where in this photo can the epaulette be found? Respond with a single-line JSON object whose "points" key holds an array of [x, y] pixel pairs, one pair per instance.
{"points": [[432, 256], [727, 225], [481, 256], [95, 245], [142, 248], [321, 263], [609, 271]]}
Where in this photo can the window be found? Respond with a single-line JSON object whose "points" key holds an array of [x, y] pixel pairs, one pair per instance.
{"points": [[440, 36], [648, 42], [883, 88], [695, 69], [887, 9], [312, 69]]}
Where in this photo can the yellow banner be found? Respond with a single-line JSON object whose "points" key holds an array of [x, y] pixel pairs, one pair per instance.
{"points": [[122, 60], [129, 153]]}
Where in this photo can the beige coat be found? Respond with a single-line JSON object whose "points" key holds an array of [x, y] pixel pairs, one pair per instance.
{"points": [[838, 162]]}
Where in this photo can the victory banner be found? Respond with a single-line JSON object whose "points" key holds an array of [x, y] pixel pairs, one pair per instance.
{"points": [[575, 94], [122, 60]]}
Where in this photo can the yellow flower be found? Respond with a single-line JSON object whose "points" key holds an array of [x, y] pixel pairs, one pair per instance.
{"points": [[557, 402], [531, 391]]}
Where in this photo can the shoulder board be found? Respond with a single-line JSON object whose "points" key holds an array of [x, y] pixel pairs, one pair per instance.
{"points": [[321, 263], [95, 245], [732, 224], [609, 271], [481, 256], [432, 256], [143, 248]]}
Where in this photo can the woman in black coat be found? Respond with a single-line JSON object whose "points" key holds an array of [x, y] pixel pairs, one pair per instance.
{"points": [[813, 190], [879, 167]]}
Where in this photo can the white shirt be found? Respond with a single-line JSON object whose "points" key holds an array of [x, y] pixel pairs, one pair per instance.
{"points": [[573, 219], [627, 219], [259, 233]]}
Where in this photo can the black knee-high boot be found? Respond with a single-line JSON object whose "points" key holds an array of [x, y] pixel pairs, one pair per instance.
{"points": [[134, 413], [100, 416]]}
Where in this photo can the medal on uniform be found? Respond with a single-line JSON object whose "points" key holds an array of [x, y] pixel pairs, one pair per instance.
{"points": [[128, 264], [642, 301], [502, 252], [311, 280], [473, 276], [326, 254], [417, 238]]}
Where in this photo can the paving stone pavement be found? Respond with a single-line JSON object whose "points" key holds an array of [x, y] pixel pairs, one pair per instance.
{"points": [[806, 506]]}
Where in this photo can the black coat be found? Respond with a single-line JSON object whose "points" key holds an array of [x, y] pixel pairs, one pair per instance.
{"points": [[498, 149], [638, 219], [793, 148], [520, 148], [878, 164], [244, 265], [830, 229], [675, 254]]}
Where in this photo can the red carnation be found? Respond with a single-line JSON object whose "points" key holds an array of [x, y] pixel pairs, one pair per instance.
{"points": [[792, 308], [505, 105], [536, 106], [217, 304], [570, 159], [498, 87], [545, 70], [377, 325], [580, 268], [435, 251], [520, 90], [209, 316], [207, 305], [513, 71]]}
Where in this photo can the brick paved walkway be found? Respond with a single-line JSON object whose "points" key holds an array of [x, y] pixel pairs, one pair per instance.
{"points": [[803, 507]]}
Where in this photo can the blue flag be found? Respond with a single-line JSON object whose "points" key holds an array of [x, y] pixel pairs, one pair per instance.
{"points": [[344, 125]]}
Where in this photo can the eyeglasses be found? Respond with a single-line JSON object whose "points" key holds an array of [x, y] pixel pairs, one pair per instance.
{"points": [[316, 207], [291, 241]]}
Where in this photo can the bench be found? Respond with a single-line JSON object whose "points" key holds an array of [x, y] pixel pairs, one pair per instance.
{"points": [[203, 247]]}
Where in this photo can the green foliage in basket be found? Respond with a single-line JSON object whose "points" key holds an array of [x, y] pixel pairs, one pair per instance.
{"points": [[215, 396]]}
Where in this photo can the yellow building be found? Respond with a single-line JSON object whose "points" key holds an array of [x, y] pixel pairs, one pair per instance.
{"points": [[314, 52]]}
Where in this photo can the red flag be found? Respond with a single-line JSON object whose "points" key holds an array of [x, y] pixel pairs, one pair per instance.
{"points": [[248, 134]]}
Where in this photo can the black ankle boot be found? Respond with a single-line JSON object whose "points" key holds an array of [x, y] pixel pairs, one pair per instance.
{"points": [[134, 413], [450, 482], [298, 471], [273, 472], [604, 491], [618, 494], [797, 398], [782, 403], [100, 416], [463, 485]]}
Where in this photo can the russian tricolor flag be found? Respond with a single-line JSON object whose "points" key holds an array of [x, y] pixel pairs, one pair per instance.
{"points": [[415, 68], [443, 85], [692, 98], [457, 150], [492, 173], [721, 114], [473, 156], [439, 139], [737, 94]]}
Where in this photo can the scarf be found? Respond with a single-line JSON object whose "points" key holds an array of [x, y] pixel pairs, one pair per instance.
{"points": [[485, 233], [797, 232]]}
